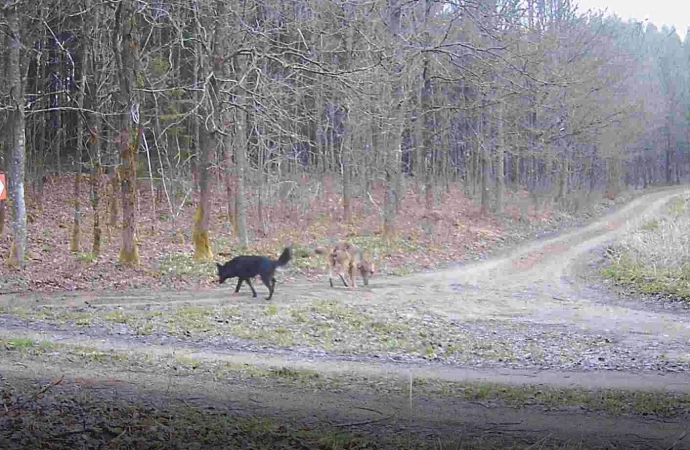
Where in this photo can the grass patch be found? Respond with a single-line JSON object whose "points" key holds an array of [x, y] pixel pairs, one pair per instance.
{"points": [[401, 271], [611, 401], [85, 257], [188, 361], [672, 282], [118, 316], [654, 258], [189, 319], [271, 309], [184, 264], [304, 257], [78, 318], [651, 225], [378, 245], [26, 345]]}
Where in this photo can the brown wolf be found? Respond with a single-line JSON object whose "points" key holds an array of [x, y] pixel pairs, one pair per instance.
{"points": [[347, 257]]}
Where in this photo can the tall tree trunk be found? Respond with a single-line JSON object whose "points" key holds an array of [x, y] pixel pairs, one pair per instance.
{"points": [[241, 144], [669, 155], [125, 47], [229, 182], [17, 139], [95, 183], [394, 149], [345, 167], [3, 146], [426, 155], [200, 232], [75, 241], [483, 134], [222, 65], [500, 160], [485, 168], [113, 209], [200, 226]]}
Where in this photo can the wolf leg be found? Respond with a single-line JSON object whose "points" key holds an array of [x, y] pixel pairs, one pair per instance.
{"points": [[270, 283], [252, 287], [330, 273], [353, 276], [271, 288]]}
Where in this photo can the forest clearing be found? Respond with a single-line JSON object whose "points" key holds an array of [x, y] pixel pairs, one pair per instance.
{"points": [[515, 170]]}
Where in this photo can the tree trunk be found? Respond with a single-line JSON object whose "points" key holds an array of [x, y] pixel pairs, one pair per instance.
{"points": [[426, 155], [17, 131], [200, 232], [241, 144], [125, 47], [394, 149], [369, 163], [484, 160], [500, 161], [3, 146], [222, 65], [112, 200], [232, 201], [484, 175], [345, 164], [75, 241], [95, 198], [562, 181], [204, 136]]}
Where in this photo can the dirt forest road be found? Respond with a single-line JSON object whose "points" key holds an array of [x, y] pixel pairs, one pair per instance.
{"points": [[537, 315]]}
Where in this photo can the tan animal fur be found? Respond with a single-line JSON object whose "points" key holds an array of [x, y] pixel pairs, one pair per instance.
{"points": [[346, 257]]}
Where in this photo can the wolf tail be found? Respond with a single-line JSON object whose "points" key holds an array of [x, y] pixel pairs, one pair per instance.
{"points": [[285, 257]]}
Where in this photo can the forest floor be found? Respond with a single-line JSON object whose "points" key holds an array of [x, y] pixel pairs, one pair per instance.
{"points": [[528, 348], [305, 215]]}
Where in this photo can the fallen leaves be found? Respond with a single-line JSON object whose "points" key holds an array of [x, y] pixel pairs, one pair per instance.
{"points": [[454, 230]]}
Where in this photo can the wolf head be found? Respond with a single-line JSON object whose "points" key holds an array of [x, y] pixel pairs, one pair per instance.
{"points": [[366, 269], [224, 273]]}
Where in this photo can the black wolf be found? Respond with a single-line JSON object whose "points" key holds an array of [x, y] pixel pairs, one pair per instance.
{"points": [[246, 267]]}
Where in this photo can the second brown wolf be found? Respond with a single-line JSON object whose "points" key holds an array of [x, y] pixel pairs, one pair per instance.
{"points": [[346, 257]]}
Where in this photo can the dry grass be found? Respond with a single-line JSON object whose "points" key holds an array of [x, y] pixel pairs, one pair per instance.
{"points": [[655, 257]]}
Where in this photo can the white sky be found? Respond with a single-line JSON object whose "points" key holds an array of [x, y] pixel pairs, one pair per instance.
{"points": [[660, 12]]}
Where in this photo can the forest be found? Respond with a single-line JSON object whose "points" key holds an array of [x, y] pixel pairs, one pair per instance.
{"points": [[213, 126]]}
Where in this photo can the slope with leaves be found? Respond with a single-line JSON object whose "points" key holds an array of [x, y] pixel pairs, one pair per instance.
{"points": [[306, 217]]}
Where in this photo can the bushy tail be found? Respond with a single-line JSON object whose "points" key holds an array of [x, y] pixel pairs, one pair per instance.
{"points": [[285, 257]]}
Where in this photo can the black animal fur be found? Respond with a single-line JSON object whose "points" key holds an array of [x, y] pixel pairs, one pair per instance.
{"points": [[246, 267]]}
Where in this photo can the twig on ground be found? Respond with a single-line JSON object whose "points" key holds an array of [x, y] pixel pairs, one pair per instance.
{"points": [[368, 409], [680, 438], [33, 397], [539, 442], [363, 422]]}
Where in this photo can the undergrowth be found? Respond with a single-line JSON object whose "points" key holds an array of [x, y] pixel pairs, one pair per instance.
{"points": [[654, 258], [56, 416]]}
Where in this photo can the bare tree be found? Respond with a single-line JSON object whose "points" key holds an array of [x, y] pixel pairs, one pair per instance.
{"points": [[394, 152], [205, 123], [125, 45], [17, 137]]}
